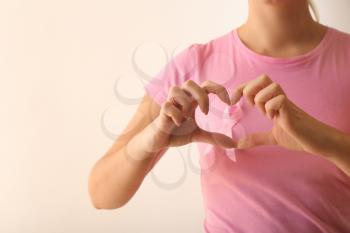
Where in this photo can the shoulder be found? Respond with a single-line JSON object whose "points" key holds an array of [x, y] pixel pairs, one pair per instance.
{"points": [[214, 50], [345, 36], [196, 54], [192, 57], [219, 42], [341, 40]]}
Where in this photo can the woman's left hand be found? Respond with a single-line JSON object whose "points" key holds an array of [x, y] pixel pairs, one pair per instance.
{"points": [[292, 127]]}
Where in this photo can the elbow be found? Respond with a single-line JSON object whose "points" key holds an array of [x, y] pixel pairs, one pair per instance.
{"points": [[99, 205], [101, 201]]}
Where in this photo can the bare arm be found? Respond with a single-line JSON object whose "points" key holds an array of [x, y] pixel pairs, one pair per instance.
{"points": [[153, 129], [119, 173]]}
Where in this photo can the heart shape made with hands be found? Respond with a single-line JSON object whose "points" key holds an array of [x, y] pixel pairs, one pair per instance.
{"points": [[264, 95], [289, 123]]}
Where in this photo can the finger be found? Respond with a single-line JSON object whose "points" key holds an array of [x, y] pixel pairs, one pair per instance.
{"points": [[213, 138], [217, 89], [250, 89], [256, 139], [266, 94], [237, 94], [274, 105], [198, 94], [179, 96], [173, 112]]}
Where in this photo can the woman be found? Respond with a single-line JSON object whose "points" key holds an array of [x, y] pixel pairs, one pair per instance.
{"points": [[285, 81]]}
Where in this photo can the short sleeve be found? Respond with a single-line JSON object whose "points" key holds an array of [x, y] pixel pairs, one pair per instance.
{"points": [[179, 69]]}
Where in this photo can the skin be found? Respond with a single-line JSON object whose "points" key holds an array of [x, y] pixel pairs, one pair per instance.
{"points": [[292, 128], [285, 29]]}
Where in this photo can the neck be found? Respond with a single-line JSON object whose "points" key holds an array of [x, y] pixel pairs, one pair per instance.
{"points": [[280, 27]]}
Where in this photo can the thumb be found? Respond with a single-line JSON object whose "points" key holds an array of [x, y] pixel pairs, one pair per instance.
{"points": [[256, 139], [216, 139]]}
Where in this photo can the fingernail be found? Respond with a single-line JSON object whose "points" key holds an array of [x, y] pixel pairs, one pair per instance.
{"points": [[228, 100], [234, 99]]}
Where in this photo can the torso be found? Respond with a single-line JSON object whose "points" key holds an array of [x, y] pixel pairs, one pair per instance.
{"points": [[269, 188]]}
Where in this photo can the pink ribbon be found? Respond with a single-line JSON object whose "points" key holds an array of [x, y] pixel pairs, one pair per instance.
{"points": [[231, 116], [229, 124]]}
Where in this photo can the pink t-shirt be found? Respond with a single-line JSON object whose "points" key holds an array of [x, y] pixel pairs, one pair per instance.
{"points": [[268, 189]]}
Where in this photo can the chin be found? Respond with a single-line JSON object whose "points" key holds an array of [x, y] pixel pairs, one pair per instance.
{"points": [[283, 2]]}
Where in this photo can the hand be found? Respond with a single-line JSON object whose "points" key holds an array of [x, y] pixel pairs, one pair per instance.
{"points": [[176, 124], [292, 127]]}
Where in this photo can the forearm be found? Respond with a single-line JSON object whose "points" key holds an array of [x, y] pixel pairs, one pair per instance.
{"points": [[337, 149], [117, 176], [333, 145]]}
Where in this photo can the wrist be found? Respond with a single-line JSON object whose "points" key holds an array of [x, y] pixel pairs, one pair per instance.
{"points": [[136, 151], [148, 141], [338, 151], [339, 144]]}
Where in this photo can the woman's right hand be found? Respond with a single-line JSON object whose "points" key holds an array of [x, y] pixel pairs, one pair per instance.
{"points": [[176, 124]]}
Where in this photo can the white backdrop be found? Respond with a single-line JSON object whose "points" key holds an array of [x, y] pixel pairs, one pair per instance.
{"points": [[60, 106]]}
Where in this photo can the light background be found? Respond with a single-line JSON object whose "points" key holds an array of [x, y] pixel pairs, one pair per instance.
{"points": [[59, 62]]}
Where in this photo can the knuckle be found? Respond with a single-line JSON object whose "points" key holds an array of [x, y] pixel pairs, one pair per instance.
{"points": [[264, 78], [245, 92], [189, 82], [186, 98], [186, 92], [187, 101], [173, 88], [258, 100], [177, 113], [206, 82], [283, 98], [276, 86], [166, 105]]}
